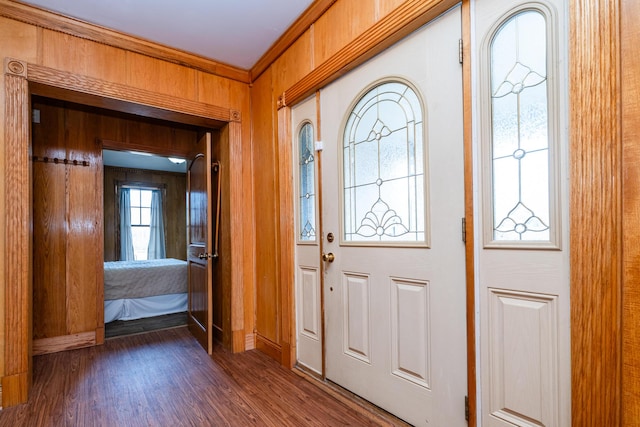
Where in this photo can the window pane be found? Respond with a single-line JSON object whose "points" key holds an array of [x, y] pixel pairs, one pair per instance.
{"points": [[145, 198], [140, 237], [135, 216], [520, 134], [145, 216], [383, 167], [307, 184], [135, 197]]}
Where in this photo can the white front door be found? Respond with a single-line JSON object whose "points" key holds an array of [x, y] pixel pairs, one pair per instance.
{"points": [[392, 179]]}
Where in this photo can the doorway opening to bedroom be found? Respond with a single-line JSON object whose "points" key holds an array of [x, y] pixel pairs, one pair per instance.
{"points": [[110, 227]]}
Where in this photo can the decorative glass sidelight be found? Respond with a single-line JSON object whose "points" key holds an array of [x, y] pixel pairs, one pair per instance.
{"points": [[383, 167], [520, 143], [307, 184]]}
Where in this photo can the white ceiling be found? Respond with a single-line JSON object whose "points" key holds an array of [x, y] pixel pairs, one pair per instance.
{"points": [[130, 159], [236, 32]]}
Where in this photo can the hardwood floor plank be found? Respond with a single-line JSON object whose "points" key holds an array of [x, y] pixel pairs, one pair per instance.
{"points": [[164, 378]]}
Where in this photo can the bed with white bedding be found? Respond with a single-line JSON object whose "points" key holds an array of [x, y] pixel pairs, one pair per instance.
{"points": [[137, 289]]}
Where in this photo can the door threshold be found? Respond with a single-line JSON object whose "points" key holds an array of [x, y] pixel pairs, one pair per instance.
{"points": [[353, 401]]}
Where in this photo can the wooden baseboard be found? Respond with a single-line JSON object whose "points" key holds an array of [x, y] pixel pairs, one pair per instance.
{"points": [[15, 389], [268, 347], [249, 341], [66, 342]]}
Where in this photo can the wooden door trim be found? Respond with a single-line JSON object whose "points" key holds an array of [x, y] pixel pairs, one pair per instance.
{"points": [[21, 81], [630, 101], [595, 212]]}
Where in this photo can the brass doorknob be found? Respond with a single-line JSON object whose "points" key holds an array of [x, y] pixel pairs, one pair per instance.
{"points": [[328, 257]]}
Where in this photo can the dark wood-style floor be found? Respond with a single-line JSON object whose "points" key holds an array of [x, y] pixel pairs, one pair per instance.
{"points": [[139, 326], [164, 378]]}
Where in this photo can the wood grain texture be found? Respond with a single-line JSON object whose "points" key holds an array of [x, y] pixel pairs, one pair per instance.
{"points": [[24, 39], [63, 343], [142, 102], [18, 259], [267, 280], [287, 240], [388, 30], [73, 27], [293, 64], [291, 35], [469, 212], [236, 230], [384, 7], [164, 378], [160, 76], [76, 55], [595, 212], [50, 265], [630, 97], [342, 23]]}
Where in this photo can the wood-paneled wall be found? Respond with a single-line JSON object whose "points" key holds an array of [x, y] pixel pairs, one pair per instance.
{"points": [[68, 213], [174, 213], [44, 40], [67, 224]]}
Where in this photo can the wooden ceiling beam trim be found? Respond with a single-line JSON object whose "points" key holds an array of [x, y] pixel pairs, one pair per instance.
{"points": [[298, 28], [405, 19], [77, 28], [71, 87]]}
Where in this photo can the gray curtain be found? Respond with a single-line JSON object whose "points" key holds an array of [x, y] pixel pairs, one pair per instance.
{"points": [[156, 248], [126, 241]]}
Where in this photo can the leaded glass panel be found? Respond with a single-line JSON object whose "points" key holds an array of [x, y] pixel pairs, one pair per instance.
{"points": [[307, 184], [520, 130], [383, 167]]}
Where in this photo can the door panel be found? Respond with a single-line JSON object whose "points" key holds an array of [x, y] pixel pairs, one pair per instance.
{"points": [[522, 213], [199, 245], [308, 286], [395, 291]]}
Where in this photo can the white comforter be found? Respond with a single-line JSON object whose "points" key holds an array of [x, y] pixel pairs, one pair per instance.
{"points": [[138, 279]]}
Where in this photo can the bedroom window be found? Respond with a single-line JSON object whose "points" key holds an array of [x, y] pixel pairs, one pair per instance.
{"points": [[141, 223]]}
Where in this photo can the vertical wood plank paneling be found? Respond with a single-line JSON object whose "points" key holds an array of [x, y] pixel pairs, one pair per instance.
{"points": [[630, 87], [294, 64], [69, 53], [49, 232], [265, 200], [343, 22], [23, 40], [287, 233], [161, 77], [213, 89], [17, 205], [236, 230], [595, 212]]}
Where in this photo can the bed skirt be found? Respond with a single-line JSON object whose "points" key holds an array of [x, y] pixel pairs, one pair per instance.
{"points": [[137, 308]]}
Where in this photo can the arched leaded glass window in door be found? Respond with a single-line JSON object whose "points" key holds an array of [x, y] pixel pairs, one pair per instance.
{"points": [[306, 184], [521, 143], [383, 168]]}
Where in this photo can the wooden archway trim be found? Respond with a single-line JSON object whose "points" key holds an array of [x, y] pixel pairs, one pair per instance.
{"points": [[23, 79]]}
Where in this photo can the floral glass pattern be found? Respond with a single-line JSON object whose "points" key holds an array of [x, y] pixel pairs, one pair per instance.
{"points": [[307, 184], [383, 167], [520, 129]]}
